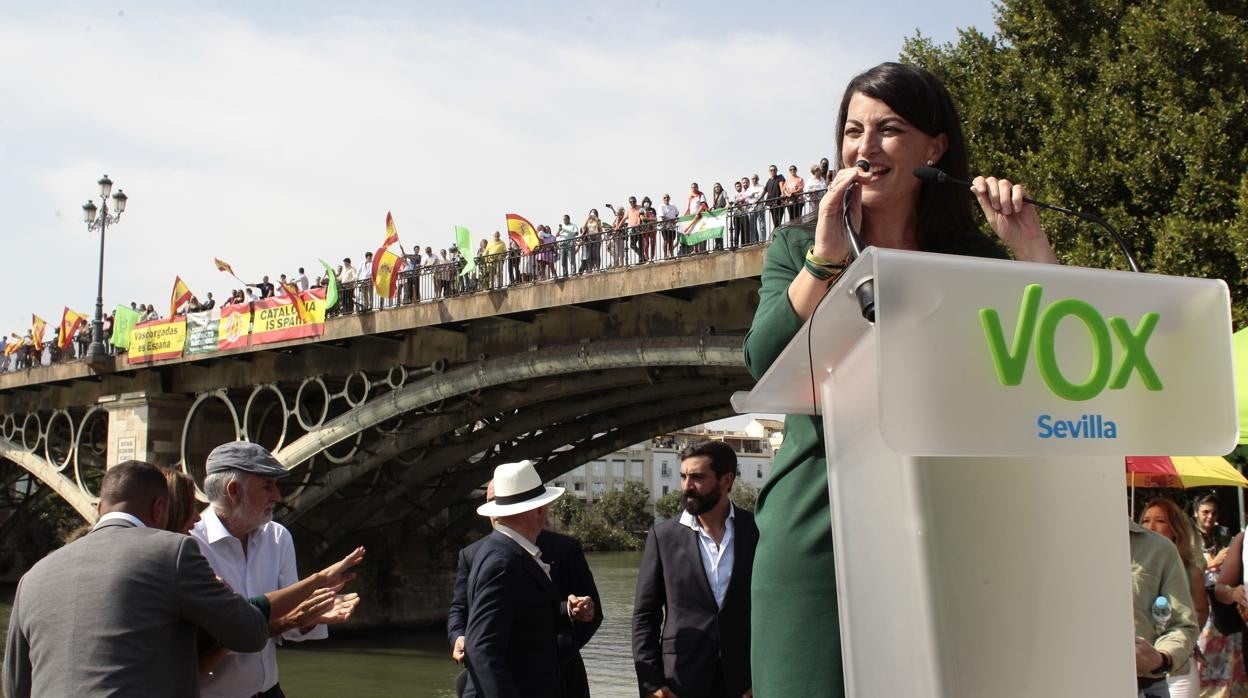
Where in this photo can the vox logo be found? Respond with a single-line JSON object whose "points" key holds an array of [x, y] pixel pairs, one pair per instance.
{"points": [[1037, 329]]}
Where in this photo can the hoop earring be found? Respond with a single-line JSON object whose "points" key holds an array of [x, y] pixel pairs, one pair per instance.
{"points": [[929, 163]]}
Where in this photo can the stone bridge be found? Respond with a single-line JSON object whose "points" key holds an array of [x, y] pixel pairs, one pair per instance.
{"points": [[391, 419]]}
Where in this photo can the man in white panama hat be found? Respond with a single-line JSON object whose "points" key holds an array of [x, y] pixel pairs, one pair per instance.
{"points": [[514, 611]]}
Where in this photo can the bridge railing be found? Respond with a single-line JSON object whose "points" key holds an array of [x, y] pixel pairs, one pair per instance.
{"points": [[586, 253]]}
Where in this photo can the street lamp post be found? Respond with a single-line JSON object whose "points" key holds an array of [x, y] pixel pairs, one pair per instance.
{"points": [[97, 354]]}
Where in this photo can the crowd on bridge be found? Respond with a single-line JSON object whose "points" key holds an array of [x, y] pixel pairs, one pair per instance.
{"points": [[632, 234]]}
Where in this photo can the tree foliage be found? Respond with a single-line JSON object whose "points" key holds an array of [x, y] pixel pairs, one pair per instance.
{"points": [[568, 511], [743, 495], [627, 509], [1137, 109], [669, 505]]}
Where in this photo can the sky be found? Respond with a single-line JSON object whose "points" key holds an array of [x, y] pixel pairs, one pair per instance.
{"points": [[273, 134]]}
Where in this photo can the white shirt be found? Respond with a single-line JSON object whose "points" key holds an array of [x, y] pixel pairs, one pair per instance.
{"points": [[695, 203], [303, 282], [529, 546], [268, 565], [716, 557], [119, 515], [348, 275], [668, 212]]}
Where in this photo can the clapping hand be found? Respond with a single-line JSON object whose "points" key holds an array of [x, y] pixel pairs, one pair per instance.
{"points": [[341, 610], [581, 608], [340, 572]]}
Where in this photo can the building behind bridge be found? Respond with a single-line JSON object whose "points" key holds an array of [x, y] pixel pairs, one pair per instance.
{"points": [[655, 463]]}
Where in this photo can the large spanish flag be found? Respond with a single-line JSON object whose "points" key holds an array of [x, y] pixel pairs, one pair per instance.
{"points": [[523, 232], [386, 268], [71, 322], [37, 326], [181, 294], [386, 264]]}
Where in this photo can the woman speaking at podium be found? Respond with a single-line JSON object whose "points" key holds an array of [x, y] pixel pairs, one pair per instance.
{"points": [[893, 118]]}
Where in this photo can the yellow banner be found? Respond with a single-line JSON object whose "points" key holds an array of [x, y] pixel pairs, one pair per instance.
{"points": [[276, 320], [157, 340]]}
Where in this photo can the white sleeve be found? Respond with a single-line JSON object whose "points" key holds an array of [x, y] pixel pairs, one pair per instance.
{"points": [[287, 574]]}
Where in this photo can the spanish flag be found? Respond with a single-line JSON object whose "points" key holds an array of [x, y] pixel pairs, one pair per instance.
{"points": [[522, 232], [37, 326], [301, 308], [392, 233], [222, 265], [181, 294], [71, 322], [386, 264], [386, 268]]}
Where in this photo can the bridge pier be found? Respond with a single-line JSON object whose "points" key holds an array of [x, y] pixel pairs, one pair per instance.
{"points": [[143, 426]]}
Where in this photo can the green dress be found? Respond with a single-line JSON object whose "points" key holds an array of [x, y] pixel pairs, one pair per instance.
{"points": [[795, 641]]}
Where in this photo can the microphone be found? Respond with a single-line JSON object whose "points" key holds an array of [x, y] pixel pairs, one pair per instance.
{"points": [[931, 174], [864, 292]]}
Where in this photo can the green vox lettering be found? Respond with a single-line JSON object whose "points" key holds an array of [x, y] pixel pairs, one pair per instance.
{"points": [[1038, 328]]}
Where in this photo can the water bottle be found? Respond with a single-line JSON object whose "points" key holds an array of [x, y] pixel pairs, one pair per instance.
{"points": [[1161, 614]]}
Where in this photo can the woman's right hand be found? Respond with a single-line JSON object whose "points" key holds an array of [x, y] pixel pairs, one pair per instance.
{"points": [[830, 240]]}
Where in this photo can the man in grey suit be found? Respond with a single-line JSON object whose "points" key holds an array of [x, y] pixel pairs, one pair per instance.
{"points": [[116, 611]]}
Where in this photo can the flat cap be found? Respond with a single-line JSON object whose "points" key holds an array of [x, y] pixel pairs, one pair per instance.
{"points": [[247, 457]]}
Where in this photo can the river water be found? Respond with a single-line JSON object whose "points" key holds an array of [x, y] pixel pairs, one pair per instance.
{"points": [[418, 663]]}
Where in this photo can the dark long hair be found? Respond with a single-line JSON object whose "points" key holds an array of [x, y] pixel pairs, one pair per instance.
{"points": [[944, 211]]}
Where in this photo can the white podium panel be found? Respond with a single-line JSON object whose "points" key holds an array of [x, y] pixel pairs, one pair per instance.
{"points": [[975, 436]]}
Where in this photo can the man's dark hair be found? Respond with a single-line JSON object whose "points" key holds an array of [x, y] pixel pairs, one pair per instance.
{"points": [[133, 481], [1210, 498], [723, 458]]}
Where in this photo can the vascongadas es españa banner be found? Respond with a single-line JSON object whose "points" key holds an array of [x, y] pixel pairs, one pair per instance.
{"points": [[272, 320], [157, 340]]}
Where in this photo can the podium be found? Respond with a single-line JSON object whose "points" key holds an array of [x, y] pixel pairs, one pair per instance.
{"points": [[975, 437]]}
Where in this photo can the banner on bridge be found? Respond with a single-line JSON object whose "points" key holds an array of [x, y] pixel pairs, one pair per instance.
{"points": [[157, 340], [201, 331], [275, 319], [234, 326]]}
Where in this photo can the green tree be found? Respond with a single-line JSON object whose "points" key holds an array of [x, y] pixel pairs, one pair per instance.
{"points": [[627, 509], [743, 495], [1137, 109], [568, 511], [669, 505]]}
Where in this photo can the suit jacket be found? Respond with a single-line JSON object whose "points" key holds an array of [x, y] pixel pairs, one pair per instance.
{"points": [[681, 638], [569, 572], [115, 613], [513, 620]]}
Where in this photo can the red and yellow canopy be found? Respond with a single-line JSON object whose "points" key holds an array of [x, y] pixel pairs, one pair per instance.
{"points": [[1182, 471]]}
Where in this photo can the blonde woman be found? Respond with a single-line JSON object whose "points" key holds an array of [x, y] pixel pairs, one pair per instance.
{"points": [[1163, 516]]}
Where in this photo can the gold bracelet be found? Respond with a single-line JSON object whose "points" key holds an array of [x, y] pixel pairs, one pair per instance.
{"points": [[822, 262]]}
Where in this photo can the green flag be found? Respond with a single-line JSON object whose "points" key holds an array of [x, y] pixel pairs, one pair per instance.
{"points": [[701, 227], [463, 239], [331, 289], [124, 320]]}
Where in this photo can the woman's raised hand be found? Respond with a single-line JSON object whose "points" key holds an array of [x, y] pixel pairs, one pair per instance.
{"points": [[1013, 219], [830, 241]]}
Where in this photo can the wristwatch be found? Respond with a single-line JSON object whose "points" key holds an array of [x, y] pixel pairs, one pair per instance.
{"points": [[1166, 663]]}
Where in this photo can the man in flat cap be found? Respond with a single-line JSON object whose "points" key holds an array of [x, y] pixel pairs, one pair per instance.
{"points": [[514, 610], [250, 552]]}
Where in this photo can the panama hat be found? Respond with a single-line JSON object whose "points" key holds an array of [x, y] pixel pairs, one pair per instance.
{"points": [[517, 489]]}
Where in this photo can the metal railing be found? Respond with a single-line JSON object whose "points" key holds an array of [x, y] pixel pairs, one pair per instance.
{"points": [[586, 253]]}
